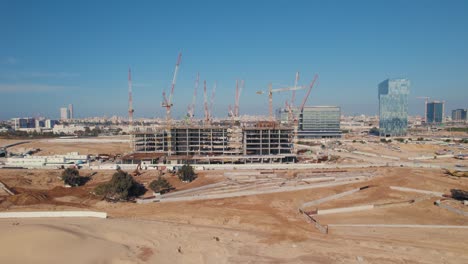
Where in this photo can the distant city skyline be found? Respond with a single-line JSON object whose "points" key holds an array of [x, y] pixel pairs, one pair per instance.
{"points": [[54, 53]]}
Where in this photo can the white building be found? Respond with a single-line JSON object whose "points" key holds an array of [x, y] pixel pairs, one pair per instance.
{"points": [[49, 123], [64, 114], [67, 129], [41, 161]]}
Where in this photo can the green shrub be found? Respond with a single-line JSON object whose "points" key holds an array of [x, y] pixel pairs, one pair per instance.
{"points": [[122, 186], [71, 176], [186, 173], [160, 185]]}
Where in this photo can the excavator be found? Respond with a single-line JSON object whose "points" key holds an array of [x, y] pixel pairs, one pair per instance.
{"points": [[456, 173], [137, 172]]}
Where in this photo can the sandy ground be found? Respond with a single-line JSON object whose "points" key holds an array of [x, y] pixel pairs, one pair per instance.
{"points": [[252, 229], [409, 150], [135, 241], [100, 145]]}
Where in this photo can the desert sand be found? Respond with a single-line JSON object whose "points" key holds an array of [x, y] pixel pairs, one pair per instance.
{"points": [[251, 229]]}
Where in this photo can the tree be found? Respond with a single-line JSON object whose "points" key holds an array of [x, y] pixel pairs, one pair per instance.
{"points": [[186, 173], [71, 176], [122, 186], [160, 185]]}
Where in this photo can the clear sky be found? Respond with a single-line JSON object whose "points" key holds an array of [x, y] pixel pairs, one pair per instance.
{"points": [[53, 53]]}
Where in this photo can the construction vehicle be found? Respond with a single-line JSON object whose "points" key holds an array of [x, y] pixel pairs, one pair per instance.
{"points": [[137, 172], [456, 173]]}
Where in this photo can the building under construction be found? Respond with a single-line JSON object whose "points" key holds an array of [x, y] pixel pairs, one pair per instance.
{"points": [[264, 142], [210, 143]]}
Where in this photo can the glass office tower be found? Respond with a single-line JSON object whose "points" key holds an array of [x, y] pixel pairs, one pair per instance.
{"points": [[393, 107], [315, 121], [459, 115], [435, 112]]}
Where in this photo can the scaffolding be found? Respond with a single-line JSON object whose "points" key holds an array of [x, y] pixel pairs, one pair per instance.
{"points": [[218, 143]]}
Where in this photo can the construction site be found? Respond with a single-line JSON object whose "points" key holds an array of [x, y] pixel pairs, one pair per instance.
{"points": [[227, 141]]}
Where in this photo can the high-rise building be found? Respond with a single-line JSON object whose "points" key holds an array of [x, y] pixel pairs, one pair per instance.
{"points": [[459, 115], [393, 107], [70, 111], [320, 122], [315, 121], [19, 123], [435, 112], [64, 113]]}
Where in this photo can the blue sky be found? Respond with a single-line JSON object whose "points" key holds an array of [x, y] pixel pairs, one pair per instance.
{"points": [[53, 53]]}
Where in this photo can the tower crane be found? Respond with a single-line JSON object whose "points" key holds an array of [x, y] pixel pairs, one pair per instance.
{"points": [[191, 107], [167, 103], [426, 100], [237, 99], [304, 101], [130, 99], [270, 92], [205, 103], [213, 93], [293, 97], [301, 108], [290, 106]]}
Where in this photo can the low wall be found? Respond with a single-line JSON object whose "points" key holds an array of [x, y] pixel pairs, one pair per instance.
{"points": [[329, 198], [394, 204], [323, 229], [2, 186], [398, 226], [375, 155], [405, 189], [450, 208], [346, 209], [256, 192], [421, 158], [53, 214]]}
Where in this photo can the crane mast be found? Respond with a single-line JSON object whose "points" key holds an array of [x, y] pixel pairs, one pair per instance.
{"points": [[304, 101], [238, 94], [191, 107], [236, 100], [130, 99], [213, 93], [293, 100], [293, 97], [205, 103], [167, 103]]}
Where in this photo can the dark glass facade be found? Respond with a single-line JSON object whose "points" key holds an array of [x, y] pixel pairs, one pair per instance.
{"points": [[435, 112]]}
